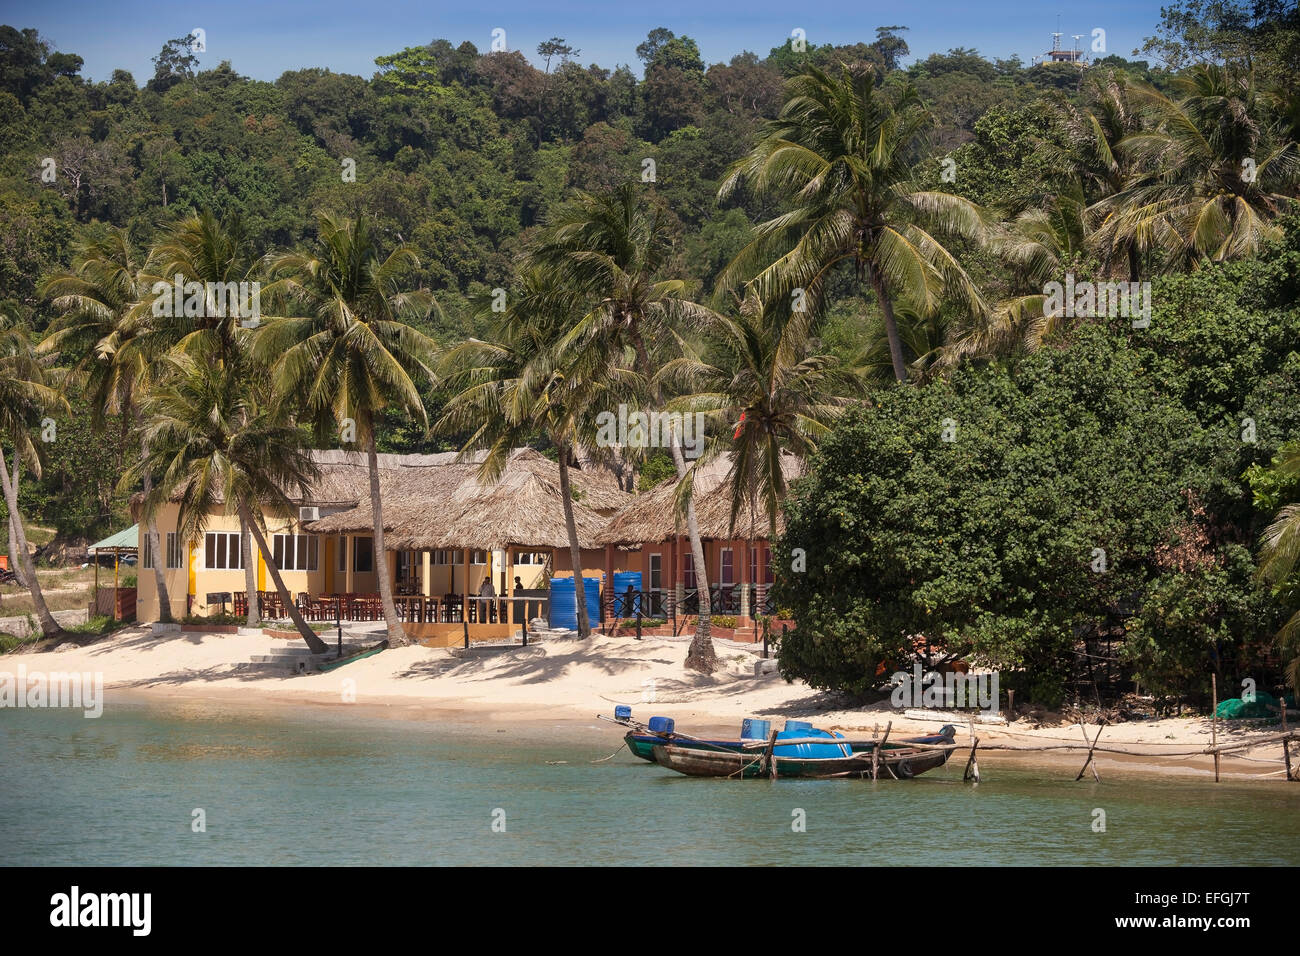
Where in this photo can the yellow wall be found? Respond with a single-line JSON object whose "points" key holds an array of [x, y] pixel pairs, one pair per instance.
{"points": [[199, 581]]}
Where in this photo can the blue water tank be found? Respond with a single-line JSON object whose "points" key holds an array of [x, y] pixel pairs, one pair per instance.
{"points": [[621, 581], [563, 609], [662, 725], [622, 712], [753, 729], [809, 751]]}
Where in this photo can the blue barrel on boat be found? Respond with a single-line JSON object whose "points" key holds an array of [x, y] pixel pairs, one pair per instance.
{"points": [[563, 613], [623, 607], [803, 730], [661, 725], [753, 729]]}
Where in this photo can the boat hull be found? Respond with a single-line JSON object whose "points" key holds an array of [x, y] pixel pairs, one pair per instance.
{"points": [[898, 762]]}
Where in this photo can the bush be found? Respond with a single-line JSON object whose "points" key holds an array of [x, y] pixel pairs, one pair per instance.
{"points": [[723, 620], [1065, 490], [645, 622]]}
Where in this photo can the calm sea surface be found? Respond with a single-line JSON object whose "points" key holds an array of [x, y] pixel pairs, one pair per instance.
{"points": [[318, 787]]}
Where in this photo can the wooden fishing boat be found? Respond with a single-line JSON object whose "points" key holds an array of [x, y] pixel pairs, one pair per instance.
{"points": [[897, 761]]}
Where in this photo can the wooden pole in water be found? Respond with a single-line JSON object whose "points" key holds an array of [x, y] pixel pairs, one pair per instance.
{"points": [[768, 763], [972, 771], [875, 752], [1214, 723], [1089, 762]]}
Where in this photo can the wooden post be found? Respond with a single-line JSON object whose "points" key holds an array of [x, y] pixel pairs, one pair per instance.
{"points": [[972, 771], [768, 762], [1214, 723], [1088, 763], [875, 752], [1286, 743], [1011, 705], [464, 598]]}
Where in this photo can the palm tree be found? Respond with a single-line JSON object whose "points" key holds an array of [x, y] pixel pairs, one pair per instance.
{"points": [[519, 384], [611, 248], [350, 357], [1097, 168], [216, 254], [1213, 172], [97, 332], [1039, 245], [25, 395], [843, 152], [213, 441], [768, 385]]}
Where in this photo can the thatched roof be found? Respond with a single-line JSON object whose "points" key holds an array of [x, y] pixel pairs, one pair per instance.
{"points": [[446, 506], [653, 515]]}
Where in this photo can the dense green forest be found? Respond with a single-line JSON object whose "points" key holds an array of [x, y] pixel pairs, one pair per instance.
{"points": [[458, 153], [829, 251]]}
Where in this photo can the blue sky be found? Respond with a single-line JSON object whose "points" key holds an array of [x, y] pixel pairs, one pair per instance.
{"points": [[262, 39]]}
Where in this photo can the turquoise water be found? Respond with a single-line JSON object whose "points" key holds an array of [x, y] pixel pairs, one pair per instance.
{"points": [[320, 787]]}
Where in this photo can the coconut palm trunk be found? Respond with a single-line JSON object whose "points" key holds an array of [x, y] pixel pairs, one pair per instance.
{"points": [[155, 543], [891, 324], [313, 639], [15, 565], [575, 549], [701, 655], [254, 617], [49, 626], [396, 634]]}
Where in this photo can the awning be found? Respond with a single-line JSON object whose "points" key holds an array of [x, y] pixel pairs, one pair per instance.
{"points": [[119, 543]]}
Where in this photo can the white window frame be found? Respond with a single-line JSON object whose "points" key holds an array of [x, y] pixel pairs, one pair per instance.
{"points": [[722, 565], [231, 538], [175, 554], [301, 552]]}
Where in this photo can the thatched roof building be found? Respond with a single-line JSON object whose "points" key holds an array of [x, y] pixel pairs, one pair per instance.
{"points": [[446, 506], [654, 516]]}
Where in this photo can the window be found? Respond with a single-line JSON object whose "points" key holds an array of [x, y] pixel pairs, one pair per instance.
{"points": [[146, 557], [175, 559], [478, 557], [363, 555], [688, 570], [295, 552], [753, 565], [656, 571], [403, 565], [531, 557], [341, 558], [728, 566], [767, 566], [220, 551]]}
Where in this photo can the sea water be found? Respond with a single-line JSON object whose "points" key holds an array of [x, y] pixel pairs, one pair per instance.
{"points": [[194, 783]]}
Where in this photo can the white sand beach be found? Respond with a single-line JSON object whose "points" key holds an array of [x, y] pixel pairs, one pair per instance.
{"points": [[569, 680]]}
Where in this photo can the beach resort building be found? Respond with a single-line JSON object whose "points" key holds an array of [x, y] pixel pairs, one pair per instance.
{"points": [[447, 533]]}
